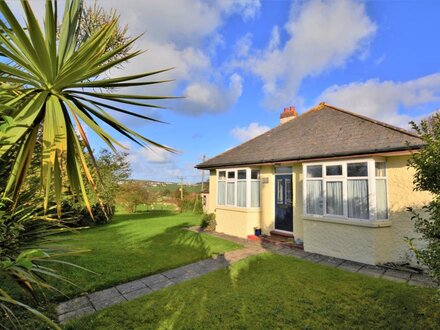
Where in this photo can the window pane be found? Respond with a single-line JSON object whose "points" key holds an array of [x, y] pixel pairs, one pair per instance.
{"points": [[241, 193], [221, 175], [221, 193], [288, 191], [230, 198], [255, 174], [231, 175], [280, 191], [381, 169], [314, 198], [357, 194], [334, 202], [314, 171], [241, 175], [357, 169], [283, 169], [333, 170], [381, 199], [255, 194]]}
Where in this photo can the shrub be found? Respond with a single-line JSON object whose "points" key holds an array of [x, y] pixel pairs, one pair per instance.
{"points": [[208, 222], [80, 216], [426, 164]]}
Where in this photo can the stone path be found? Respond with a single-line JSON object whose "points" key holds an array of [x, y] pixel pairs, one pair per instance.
{"points": [[96, 301], [93, 302]]}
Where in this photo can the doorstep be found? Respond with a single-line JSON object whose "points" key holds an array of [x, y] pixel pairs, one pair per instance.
{"points": [[281, 240]]}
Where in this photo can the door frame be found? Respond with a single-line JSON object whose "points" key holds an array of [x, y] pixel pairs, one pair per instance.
{"points": [[275, 202]]}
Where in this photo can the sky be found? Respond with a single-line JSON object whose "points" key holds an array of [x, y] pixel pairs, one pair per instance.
{"points": [[239, 63]]}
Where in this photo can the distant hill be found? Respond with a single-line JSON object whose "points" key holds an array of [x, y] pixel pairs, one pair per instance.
{"points": [[159, 186]]}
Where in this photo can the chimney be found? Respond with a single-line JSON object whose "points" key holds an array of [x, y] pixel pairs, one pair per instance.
{"points": [[288, 114]]}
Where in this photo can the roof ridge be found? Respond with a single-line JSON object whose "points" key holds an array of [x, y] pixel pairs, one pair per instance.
{"points": [[374, 121]]}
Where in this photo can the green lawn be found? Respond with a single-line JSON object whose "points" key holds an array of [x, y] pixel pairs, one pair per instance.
{"points": [[136, 245], [270, 291], [130, 247]]}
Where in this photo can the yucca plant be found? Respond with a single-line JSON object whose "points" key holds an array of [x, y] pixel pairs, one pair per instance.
{"points": [[54, 83]]}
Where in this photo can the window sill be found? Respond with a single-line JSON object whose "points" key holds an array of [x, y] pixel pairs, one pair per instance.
{"points": [[360, 223], [238, 209]]}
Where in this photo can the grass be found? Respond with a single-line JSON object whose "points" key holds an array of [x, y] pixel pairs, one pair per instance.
{"points": [[270, 291], [136, 245], [130, 247]]}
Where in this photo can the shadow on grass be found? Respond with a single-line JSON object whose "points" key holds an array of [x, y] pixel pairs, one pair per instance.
{"points": [[144, 215]]}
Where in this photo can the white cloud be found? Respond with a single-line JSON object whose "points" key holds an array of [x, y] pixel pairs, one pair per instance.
{"points": [[201, 98], [322, 35], [174, 35], [151, 163], [243, 134], [243, 45], [382, 99]]}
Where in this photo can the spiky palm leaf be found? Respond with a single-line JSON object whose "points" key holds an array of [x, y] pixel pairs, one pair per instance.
{"points": [[55, 81]]}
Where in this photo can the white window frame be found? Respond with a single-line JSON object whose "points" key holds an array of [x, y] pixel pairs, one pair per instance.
{"points": [[382, 160], [371, 178], [248, 186]]}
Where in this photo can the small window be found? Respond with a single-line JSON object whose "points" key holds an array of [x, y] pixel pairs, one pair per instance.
{"points": [[231, 175], [241, 175], [280, 191], [221, 175], [381, 169], [333, 170], [357, 169], [283, 169], [255, 174], [314, 171], [288, 191]]}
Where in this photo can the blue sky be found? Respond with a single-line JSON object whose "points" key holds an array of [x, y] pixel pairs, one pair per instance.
{"points": [[238, 63]]}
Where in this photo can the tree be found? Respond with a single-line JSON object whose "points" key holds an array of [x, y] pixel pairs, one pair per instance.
{"points": [[48, 80], [114, 168], [427, 178], [50, 85], [131, 194]]}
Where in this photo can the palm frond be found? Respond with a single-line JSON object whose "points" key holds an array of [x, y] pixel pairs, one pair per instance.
{"points": [[54, 78]]}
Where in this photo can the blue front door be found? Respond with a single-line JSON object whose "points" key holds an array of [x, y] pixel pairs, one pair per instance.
{"points": [[283, 203]]}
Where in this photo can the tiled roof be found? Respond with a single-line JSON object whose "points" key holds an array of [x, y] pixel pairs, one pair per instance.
{"points": [[324, 131]]}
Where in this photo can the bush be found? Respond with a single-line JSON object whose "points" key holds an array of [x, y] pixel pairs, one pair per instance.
{"points": [[208, 222], [426, 164], [80, 216]]}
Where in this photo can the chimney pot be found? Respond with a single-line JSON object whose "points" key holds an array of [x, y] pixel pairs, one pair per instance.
{"points": [[288, 114]]}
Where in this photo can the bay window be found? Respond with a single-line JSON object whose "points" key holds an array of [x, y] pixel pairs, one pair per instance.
{"points": [[238, 187], [351, 189]]}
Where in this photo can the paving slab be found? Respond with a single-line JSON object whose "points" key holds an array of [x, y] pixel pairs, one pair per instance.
{"points": [[137, 293], [156, 282], [185, 277], [423, 280], [63, 318], [173, 273], [130, 286], [331, 261], [73, 305], [105, 298], [351, 266], [396, 275], [314, 257], [370, 270], [211, 265]]}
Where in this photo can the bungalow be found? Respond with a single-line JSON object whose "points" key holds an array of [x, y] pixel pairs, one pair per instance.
{"points": [[336, 181]]}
